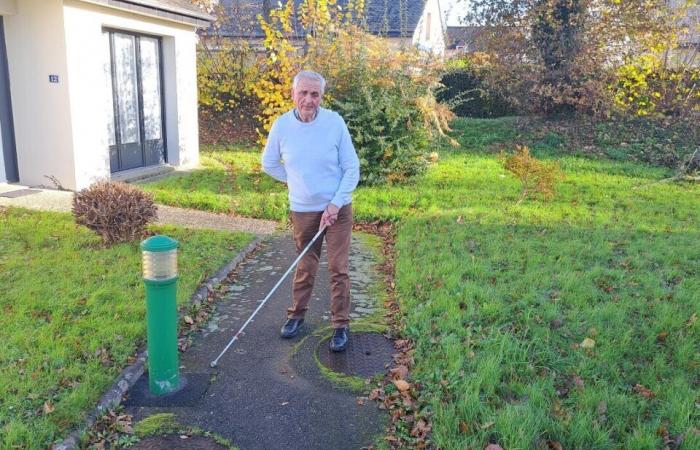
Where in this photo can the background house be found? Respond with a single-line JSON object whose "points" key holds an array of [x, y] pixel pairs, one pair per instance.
{"points": [[400, 22], [463, 40], [96, 89]]}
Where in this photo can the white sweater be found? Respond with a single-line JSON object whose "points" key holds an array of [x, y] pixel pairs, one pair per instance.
{"points": [[316, 159]]}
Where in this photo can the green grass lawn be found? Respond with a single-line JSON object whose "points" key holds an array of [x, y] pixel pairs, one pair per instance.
{"points": [[499, 296], [72, 313], [231, 181]]}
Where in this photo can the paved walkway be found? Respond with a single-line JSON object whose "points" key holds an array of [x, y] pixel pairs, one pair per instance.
{"points": [[267, 392], [53, 200]]}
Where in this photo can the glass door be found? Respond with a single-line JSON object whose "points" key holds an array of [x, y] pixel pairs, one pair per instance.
{"points": [[135, 112]]}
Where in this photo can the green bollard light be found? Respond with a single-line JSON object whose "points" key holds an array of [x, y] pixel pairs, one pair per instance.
{"points": [[160, 278]]}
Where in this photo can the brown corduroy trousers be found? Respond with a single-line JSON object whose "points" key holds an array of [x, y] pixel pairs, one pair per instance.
{"points": [[338, 239]]}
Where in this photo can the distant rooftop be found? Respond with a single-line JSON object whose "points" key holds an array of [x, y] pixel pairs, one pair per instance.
{"points": [[393, 18]]}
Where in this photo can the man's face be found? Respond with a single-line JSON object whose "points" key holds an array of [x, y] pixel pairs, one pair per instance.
{"points": [[307, 97]]}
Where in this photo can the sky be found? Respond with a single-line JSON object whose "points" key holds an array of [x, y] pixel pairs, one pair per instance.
{"points": [[454, 9]]}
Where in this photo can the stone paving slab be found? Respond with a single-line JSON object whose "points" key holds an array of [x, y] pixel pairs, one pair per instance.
{"points": [[258, 397]]}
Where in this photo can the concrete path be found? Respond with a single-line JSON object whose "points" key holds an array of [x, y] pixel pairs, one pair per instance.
{"points": [[61, 201], [268, 393]]}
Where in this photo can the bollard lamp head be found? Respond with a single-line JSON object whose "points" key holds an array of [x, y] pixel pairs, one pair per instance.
{"points": [[159, 258]]}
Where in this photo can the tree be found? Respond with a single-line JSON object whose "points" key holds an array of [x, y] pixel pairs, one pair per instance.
{"points": [[559, 55]]}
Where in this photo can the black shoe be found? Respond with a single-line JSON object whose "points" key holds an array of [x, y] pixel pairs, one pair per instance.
{"points": [[291, 328], [339, 341]]}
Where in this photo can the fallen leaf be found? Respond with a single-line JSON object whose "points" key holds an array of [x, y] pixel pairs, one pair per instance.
{"points": [[460, 220], [661, 337], [399, 372], [493, 447], [588, 343], [487, 425], [554, 445], [644, 391], [48, 407], [401, 385], [420, 429], [376, 393], [188, 320], [184, 436], [463, 427]]}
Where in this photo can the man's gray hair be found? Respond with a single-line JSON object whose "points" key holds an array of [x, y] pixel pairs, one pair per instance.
{"points": [[309, 75]]}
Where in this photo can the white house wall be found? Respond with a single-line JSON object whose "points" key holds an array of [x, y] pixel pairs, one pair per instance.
{"points": [[8, 7], [431, 19], [43, 131], [86, 55]]}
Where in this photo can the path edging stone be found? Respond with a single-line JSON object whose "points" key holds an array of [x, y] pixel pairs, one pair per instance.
{"points": [[131, 373]]}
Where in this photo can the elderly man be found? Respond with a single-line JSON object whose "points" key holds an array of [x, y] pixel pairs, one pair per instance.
{"points": [[310, 149]]}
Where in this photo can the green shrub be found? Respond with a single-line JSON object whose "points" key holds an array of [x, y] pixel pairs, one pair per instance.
{"points": [[387, 131]]}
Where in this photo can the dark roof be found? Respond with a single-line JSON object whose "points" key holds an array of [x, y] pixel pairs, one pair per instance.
{"points": [[394, 18], [464, 37]]}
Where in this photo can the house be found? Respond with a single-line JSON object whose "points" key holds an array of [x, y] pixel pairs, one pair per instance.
{"points": [[463, 39], [401, 22], [97, 89], [688, 53]]}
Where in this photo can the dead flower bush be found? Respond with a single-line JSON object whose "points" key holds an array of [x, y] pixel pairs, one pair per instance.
{"points": [[116, 211]]}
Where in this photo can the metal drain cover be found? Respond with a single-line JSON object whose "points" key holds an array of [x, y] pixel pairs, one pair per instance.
{"points": [[367, 355], [19, 193]]}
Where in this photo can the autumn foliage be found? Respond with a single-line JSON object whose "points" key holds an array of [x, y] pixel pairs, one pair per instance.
{"points": [[537, 177], [592, 56]]}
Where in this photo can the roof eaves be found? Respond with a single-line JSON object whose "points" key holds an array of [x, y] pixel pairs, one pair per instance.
{"points": [[161, 10]]}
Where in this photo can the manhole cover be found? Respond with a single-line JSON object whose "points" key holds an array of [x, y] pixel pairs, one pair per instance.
{"points": [[19, 193], [367, 355]]}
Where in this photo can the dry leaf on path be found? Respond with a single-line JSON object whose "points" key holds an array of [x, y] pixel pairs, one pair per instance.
{"points": [[399, 372], [401, 385], [376, 393]]}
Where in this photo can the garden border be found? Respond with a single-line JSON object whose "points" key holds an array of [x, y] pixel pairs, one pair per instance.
{"points": [[131, 373]]}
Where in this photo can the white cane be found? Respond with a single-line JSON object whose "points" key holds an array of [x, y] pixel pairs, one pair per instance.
{"points": [[296, 261]]}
